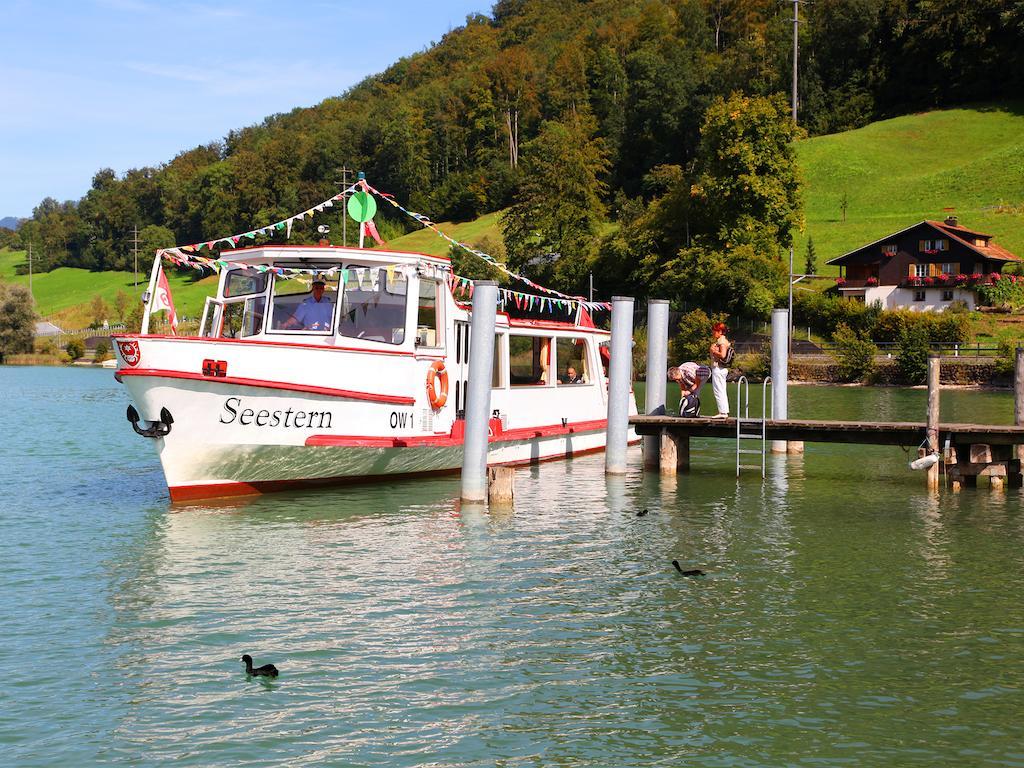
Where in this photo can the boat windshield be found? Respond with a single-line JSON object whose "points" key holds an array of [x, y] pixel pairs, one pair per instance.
{"points": [[304, 303], [373, 304]]}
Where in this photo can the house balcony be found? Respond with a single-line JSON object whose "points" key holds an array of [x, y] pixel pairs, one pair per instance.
{"points": [[856, 285]]}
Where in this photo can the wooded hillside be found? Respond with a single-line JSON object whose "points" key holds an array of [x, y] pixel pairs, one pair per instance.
{"points": [[618, 91]]}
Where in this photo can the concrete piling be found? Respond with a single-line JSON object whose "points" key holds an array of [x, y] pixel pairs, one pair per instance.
{"points": [[619, 380], [478, 391], [657, 365], [780, 371], [932, 477]]}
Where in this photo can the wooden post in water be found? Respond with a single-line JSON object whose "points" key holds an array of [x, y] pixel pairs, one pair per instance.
{"points": [[933, 418], [674, 453]]}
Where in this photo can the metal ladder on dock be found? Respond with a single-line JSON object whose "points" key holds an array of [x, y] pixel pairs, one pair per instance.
{"points": [[751, 429]]}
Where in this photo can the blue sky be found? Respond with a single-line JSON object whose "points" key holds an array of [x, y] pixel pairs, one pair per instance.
{"points": [[129, 83]]}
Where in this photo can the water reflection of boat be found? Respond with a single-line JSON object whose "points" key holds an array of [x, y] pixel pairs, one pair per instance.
{"points": [[274, 392]]}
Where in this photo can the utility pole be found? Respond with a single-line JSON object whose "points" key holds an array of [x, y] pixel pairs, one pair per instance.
{"points": [[344, 171], [135, 252], [796, 50], [591, 286], [30, 271]]}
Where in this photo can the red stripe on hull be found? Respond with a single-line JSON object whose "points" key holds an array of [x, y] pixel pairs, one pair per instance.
{"points": [[262, 384], [263, 342], [454, 439]]}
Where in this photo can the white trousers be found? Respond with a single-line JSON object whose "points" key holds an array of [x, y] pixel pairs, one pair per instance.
{"points": [[718, 375]]}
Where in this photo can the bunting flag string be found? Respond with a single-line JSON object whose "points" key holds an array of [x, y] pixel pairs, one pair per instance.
{"points": [[426, 222], [189, 256], [463, 286], [232, 241]]}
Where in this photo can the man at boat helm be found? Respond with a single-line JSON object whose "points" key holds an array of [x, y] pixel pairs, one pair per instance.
{"points": [[316, 312]]}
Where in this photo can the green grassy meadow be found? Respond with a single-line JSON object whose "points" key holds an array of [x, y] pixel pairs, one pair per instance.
{"points": [[898, 172], [428, 242]]}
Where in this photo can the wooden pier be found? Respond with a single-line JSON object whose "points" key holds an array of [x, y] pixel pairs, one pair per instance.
{"points": [[968, 451]]}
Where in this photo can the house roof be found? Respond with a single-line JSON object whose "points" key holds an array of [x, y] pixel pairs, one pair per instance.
{"points": [[958, 233], [989, 251]]}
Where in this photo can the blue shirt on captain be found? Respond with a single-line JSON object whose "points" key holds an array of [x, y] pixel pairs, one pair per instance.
{"points": [[315, 315]]}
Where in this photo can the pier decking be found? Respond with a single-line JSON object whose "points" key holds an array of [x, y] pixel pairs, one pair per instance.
{"points": [[905, 433]]}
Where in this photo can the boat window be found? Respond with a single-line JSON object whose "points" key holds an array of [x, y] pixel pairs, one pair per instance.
{"points": [[297, 306], [571, 355], [373, 304], [244, 282], [240, 319], [497, 376], [529, 360], [429, 325]]}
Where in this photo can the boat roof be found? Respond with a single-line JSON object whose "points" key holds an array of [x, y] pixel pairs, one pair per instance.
{"points": [[266, 254]]}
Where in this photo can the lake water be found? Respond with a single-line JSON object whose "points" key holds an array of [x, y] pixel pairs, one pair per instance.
{"points": [[847, 617]]}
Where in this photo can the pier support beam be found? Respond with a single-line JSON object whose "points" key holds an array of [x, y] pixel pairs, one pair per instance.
{"points": [[619, 380], [780, 370], [657, 365], [478, 391], [674, 453], [932, 476]]}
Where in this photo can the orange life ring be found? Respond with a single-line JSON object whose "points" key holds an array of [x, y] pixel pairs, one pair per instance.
{"points": [[436, 369]]}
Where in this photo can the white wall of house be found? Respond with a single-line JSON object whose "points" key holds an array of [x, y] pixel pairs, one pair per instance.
{"points": [[893, 297]]}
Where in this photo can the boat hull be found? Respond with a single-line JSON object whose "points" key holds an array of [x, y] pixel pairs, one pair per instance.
{"points": [[229, 439]]}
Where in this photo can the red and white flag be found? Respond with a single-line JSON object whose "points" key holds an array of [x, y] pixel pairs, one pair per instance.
{"points": [[163, 300], [370, 229]]}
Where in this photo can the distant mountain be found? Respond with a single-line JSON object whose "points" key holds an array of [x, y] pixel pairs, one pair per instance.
{"points": [[10, 222]]}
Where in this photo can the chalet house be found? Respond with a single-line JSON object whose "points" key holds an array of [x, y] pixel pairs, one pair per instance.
{"points": [[926, 266]]}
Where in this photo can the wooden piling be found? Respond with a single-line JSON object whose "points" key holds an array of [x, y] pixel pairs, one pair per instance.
{"points": [[674, 454], [933, 418], [500, 485]]}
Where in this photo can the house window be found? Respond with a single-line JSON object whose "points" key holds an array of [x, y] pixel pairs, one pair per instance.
{"points": [[934, 245], [947, 295], [920, 270], [889, 249], [950, 268], [918, 295]]}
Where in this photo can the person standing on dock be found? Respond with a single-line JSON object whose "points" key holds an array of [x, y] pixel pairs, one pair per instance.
{"points": [[721, 356]]}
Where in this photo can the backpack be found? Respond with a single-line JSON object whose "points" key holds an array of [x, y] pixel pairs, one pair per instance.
{"points": [[730, 353], [689, 407]]}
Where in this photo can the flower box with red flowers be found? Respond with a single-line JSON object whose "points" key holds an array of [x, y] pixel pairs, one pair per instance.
{"points": [[871, 281], [840, 281], [929, 281]]}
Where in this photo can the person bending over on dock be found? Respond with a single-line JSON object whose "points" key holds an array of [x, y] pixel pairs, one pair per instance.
{"points": [[690, 377], [721, 355], [316, 312]]}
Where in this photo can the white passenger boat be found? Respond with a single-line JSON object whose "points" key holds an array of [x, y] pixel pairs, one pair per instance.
{"points": [[275, 392]]}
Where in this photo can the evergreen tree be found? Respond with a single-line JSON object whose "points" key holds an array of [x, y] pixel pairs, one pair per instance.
{"points": [[811, 264]]}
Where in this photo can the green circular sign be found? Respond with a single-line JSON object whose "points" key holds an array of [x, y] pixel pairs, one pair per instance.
{"points": [[362, 206]]}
